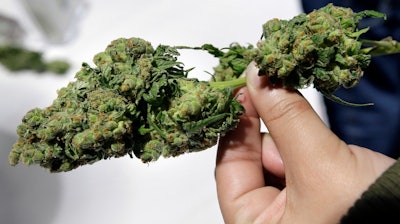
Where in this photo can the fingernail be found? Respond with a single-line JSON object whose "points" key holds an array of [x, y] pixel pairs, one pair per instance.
{"points": [[253, 79], [240, 95], [250, 66]]}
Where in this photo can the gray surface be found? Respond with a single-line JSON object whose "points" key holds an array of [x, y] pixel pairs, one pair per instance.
{"points": [[27, 195]]}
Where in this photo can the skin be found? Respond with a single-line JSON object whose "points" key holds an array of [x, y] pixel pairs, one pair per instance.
{"points": [[299, 172]]}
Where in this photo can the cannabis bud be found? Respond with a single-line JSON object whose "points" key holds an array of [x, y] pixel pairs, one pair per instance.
{"points": [[137, 101], [322, 48], [16, 58]]}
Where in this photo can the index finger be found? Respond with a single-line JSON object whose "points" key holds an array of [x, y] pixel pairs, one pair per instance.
{"points": [[239, 171]]}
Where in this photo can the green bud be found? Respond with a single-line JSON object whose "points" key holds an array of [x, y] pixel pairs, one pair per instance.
{"points": [[138, 100]]}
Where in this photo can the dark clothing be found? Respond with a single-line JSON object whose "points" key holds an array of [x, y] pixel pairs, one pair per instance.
{"points": [[380, 203], [375, 127]]}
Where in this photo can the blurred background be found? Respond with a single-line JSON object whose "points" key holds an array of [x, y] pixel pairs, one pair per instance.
{"points": [[123, 190]]}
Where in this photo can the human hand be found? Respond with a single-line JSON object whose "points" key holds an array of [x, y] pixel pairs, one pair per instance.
{"points": [[300, 172]]}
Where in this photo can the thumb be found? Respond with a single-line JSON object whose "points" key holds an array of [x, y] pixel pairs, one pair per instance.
{"points": [[298, 132]]}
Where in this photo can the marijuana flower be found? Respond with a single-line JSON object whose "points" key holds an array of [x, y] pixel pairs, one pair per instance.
{"points": [[322, 49], [16, 58], [138, 100]]}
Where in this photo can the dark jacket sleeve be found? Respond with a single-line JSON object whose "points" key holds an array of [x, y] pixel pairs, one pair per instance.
{"points": [[381, 202]]}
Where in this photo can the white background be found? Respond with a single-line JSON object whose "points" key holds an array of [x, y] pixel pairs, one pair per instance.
{"points": [[124, 190]]}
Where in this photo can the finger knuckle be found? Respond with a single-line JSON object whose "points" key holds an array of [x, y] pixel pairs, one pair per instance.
{"points": [[287, 109]]}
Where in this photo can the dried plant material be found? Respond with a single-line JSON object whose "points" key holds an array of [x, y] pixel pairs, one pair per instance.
{"points": [[139, 101]]}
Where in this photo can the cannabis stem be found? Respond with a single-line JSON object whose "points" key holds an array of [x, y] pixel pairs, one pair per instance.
{"points": [[381, 47], [234, 83]]}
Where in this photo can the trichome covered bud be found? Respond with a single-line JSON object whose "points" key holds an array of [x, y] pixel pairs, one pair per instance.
{"points": [[322, 48], [137, 100], [16, 58]]}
